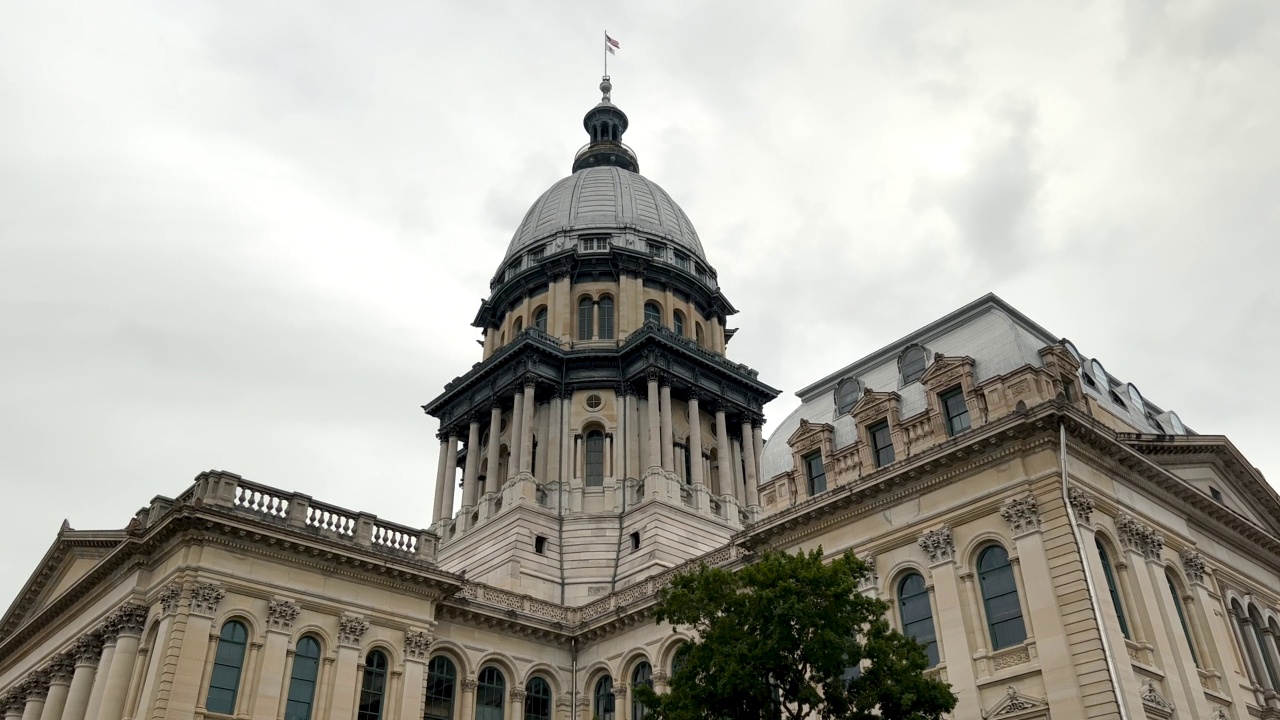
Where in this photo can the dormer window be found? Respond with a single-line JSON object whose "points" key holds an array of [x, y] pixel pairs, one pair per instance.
{"points": [[911, 363], [512, 269], [536, 254], [847, 394], [1115, 398], [881, 443], [656, 249], [955, 412], [815, 474], [1135, 396], [682, 261], [593, 243]]}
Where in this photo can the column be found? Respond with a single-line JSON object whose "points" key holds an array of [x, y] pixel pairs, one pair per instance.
{"points": [[471, 473], [467, 704], [655, 424], [491, 480], [196, 642], [526, 428], [553, 443], [739, 487], [579, 471], [451, 472], [442, 479], [128, 621], [346, 674], [61, 670], [949, 622], [87, 650], [749, 461], [620, 431], [37, 690], [695, 441], [517, 435], [417, 651], [724, 459], [757, 442], [270, 683], [633, 435], [668, 446]]}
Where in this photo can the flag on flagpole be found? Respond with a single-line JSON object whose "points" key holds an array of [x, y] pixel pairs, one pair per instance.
{"points": [[611, 45]]}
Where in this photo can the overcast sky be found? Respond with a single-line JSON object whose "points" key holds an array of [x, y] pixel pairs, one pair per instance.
{"points": [[252, 236]]}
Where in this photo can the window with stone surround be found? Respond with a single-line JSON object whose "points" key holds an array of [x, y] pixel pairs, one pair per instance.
{"points": [[228, 663], [594, 457], [302, 681], [1112, 588], [442, 682], [652, 313], [1182, 616], [916, 614], [537, 699], [911, 363], [1000, 598], [815, 474], [604, 309], [491, 691], [602, 699], [642, 675], [955, 411], [881, 443], [373, 687]]}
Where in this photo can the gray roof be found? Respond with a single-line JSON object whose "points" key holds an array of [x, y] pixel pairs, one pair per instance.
{"points": [[605, 198]]}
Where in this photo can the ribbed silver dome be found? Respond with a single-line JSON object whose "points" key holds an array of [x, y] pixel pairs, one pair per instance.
{"points": [[605, 198]]}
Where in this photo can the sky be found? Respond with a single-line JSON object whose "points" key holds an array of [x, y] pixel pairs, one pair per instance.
{"points": [[252, 236]]}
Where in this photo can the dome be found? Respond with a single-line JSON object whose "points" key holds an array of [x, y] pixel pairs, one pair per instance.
{"points": [[605, 198]]}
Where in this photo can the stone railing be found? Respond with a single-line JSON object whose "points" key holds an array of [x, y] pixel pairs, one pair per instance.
{"points": [[301, 512]]}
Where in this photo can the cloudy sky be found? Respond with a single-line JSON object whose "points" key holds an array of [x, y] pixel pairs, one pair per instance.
{"points": [[251, 236]]}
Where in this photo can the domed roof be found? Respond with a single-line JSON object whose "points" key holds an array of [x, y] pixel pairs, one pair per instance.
{"points": [[605, 198]]}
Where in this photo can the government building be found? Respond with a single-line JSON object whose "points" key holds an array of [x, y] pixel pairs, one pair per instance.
{"points": [[1062, 546]]}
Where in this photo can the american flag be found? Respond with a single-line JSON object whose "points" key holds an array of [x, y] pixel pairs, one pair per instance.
{"points": [[610, 44]]}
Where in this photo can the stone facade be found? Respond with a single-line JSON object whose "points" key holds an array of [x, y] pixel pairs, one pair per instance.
{"points": [[1083, 553]]}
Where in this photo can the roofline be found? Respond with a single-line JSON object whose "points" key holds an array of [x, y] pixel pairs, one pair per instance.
{"points": [[937, 327]]}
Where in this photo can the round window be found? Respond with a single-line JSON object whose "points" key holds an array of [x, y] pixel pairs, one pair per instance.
{"points": [[594, 401]]}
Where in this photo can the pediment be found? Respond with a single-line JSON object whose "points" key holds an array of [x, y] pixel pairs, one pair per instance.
{"points": [[944, 367], [807, 431], [1015, 705], [873, 403], [71, 556]]}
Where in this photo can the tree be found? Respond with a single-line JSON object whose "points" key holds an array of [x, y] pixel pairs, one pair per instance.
{"points": [[781, 638]]}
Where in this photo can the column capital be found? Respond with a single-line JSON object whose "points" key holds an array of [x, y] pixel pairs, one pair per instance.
{"points": [[205, 598], [1081, 503], [13, 701], [518, 695], [281, 614], [1022, 514], [654, 375], [443, 435], [35, 686], [529, 380], [417, 645], [871, 580], [128, 619], [694, 394], [1193, 565], [469, 684], [939, 545], [351, 628], [170, 596], [61, 667], [87, 649], [1139, 537]]}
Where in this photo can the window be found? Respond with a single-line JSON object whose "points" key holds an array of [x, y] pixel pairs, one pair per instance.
{"points": [[1068, 390], [537, 700], [1135, 396], [302, 682], [1000, 598], [224, 683], [595, 458], [1182, 617], [816, 474], [642, 675], [698, 334], [682, 261], [656, 249], [490, 691], [1109, 574], [652, 313], [680, 659], [512, 269], [1255, 620], [540, 319], [605, 309], [678, 322], [540, 544], [635, 541], [955, 411], [594, 244], [847, 394], [881, 443], [517, 326], [536, 254], [1215, 493], [442, 678], [1176, 423], [1115, 398], [917, 614], [602, 705], [373, 687], [1099, 375], [585, 310], [911, 364]]}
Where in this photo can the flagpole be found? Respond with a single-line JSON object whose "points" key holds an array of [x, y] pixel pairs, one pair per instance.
{"points": [[606, 53]]}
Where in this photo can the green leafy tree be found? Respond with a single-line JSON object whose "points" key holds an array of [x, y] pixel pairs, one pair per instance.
{"points": [[779, 638]]}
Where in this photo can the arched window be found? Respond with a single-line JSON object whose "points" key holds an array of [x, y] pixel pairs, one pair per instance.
{"points": [[678, 326], [642, 675], [1109, 574], [1000, 598], [606, 318], [537, 699], [699, 335], [1255, 620], [442, 678], [602, 705], [652, 313], [517, 326], [585, 308], [911, 364], [373, 687], [540, 319], [228, 661], [680, 659], [1182, 617], [847, 394], [595, 458], [302, 681], [491, 689], [917, 614]]}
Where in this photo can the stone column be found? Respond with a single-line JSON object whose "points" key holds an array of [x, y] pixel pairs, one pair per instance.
{"points": [[442, 479], [620, 432], [668, 443], [281, 614], [695, 442], [633, 435], [655, 424], [417, 651], [468, 699], [86, 651], [346, 676], [36, 690], [953, 641], [526, 427], [471, 473], [128, 622], [451, 482], [757, 443], [553, 444], [515, 703], [724, 458], [517, 435], [749, 460], [492, 481], [61, 670]]}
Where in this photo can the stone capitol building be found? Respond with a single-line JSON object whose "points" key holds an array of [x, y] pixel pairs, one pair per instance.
{"points": [[1062, 546]]}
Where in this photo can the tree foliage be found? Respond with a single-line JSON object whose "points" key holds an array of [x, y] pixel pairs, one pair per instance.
{"points": [[778, 638]]}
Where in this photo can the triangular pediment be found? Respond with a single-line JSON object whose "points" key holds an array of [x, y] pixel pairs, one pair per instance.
{"points": [[944, 365], [71, 556], [1015, 705], [874, 401], [808, 430]]}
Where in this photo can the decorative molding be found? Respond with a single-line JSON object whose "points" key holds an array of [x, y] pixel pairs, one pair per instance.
{"points": [[281, 614], [170, 595], [1014, 702], [871, 580], [939, 544], [1082, 504], [517, 696], [128, 619], [660, 678], [1219, 713], [1153, 700], [1017, 656], [1022, 514], [469, 684], [205, 598], [417, 644], [87, 649], [351, 628], [35, 686], [61, 667], [1192, 565], [1139, 536]]}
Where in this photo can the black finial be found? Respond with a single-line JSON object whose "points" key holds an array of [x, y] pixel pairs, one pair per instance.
{"points": [[605, 123]]}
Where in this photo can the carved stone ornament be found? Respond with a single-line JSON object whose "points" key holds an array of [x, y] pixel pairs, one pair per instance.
{"points": [[281, 614], [417, 644], [1151, 697], [469, 683], [36, 685], [1013, 702], [1082, 504], [1022, 514], [517, 695], [1219, 713], [351, 628], [87, 649], [169, 596], [128, 619], [61, 667], [1139, 536], [661, 679], [871, 580], [939, 545], [1192, 565], [205, 598], [13, 701]]}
